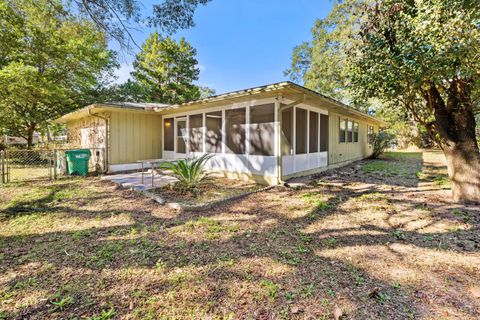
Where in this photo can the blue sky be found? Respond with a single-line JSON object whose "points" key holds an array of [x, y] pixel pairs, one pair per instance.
{"points": [[243, 43]]}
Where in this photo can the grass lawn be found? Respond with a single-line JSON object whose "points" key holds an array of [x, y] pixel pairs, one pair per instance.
{"points": [[214, 189], [378, 239]]}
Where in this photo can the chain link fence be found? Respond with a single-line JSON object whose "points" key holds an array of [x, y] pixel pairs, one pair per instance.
{"points": [[31, 165]]}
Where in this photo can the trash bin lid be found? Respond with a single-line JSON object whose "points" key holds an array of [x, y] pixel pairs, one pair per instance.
{"points": [[78, 154]]}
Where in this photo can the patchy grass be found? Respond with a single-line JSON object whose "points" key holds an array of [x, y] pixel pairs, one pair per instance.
{"points": [[214, 189], [375, 242]]}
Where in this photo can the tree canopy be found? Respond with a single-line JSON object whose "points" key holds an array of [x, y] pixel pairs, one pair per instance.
{"points": [[321, 64], [423, 57], [48, 62], [118, 17], [167, 70]]}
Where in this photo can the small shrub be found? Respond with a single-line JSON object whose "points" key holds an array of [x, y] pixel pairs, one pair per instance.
{"points": [[190, 173], [381, 142]]}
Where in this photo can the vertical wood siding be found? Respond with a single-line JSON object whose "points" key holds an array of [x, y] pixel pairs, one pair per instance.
{"points": [[135, 136], [348, 151]]}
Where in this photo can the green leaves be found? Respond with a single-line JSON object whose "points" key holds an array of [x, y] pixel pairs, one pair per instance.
{"points": [[190, 172], [49, 61], [167, 70]]}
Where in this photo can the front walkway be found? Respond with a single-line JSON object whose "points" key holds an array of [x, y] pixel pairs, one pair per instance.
{"points": [[134, 180]]}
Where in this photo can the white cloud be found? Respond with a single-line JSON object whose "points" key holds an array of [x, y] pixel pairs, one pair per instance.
{"points": [[201, 67]]}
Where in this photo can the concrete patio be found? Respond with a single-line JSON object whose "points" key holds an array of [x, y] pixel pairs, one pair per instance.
{"points": [[134, 180]]}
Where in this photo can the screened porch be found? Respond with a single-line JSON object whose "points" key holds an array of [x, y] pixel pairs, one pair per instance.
{"points": [[249, 139]]}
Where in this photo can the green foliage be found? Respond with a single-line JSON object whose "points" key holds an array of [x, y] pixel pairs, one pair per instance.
{"points": [[381, 142], [167, 70], [129, 91], [190, 173], [322, 63], [61, 303], [419, 56], [105, 315], [49, 60], [119, 17]]}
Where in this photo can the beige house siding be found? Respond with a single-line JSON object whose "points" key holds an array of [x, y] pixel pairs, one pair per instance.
{"points": [[87, 132], [347, 151], [134, 136]]}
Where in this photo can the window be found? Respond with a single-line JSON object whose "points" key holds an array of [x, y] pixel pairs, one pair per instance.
{"points": [[262, 130], [235, 130], [349, 131], [343, 130], [168, 135], [313, 139], [181, 135], [355, 131], [301, 131], [213, 134], [323, 132], [196, 134], [370, 133], [287, 131]]}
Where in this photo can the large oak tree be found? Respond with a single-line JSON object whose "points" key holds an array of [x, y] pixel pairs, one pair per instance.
{"points": [[424, 56], [49, 61]]}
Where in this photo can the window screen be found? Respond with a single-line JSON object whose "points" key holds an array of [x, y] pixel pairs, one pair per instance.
{"points": [[287, 131], [168, 134], [355, 131], [196, 134], [213, 135], [350, 131], [181, 136], [235, 130], [262, 130], [343, 130], [323, 133], [313, 139], [301, 131]]}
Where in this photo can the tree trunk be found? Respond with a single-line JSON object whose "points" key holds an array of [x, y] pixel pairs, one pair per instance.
{"points": [[463, 164], [30, 133], [455, 124]]}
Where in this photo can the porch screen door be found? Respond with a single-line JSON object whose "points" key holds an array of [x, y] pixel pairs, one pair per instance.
{"points": [[181, 139]]}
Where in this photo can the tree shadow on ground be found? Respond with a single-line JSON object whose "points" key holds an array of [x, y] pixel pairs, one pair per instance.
{"points": [[226, 257]]}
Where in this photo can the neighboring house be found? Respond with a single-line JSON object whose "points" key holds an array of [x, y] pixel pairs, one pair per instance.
{"points": [[268, 134], [10, 140]]}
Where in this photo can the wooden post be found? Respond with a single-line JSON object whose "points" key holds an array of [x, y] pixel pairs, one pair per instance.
{"points": [[55, 163], [2, 155]]}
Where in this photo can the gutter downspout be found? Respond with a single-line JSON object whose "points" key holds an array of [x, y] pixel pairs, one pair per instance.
{"points": [[279, 157], [107, 133]]}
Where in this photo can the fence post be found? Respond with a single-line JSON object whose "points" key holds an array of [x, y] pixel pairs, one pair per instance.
{"points": [[7, 166], [55, 159], [2, 155]]}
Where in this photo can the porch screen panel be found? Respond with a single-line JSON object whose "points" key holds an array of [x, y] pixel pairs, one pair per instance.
{"points": [[181, 136], [262, 130], [196, 140], [235, 130], [168, 135], [313, 140], [213, 136], [287, 131], [301, 131], [323, 133]]}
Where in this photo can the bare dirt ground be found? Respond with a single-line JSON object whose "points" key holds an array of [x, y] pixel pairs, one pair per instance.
{"points": [[378, 239]]}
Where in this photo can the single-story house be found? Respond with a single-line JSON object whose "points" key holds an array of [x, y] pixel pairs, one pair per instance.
{"points": [[268, 134]]}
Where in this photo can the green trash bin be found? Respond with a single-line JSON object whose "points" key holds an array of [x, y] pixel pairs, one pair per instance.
{"points": [[77, 161]]}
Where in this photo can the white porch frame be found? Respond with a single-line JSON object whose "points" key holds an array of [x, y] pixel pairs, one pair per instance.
{"points": [[271, 166]]}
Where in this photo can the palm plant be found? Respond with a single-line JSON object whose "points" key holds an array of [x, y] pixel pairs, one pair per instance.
{"points": [[189, 172]]}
